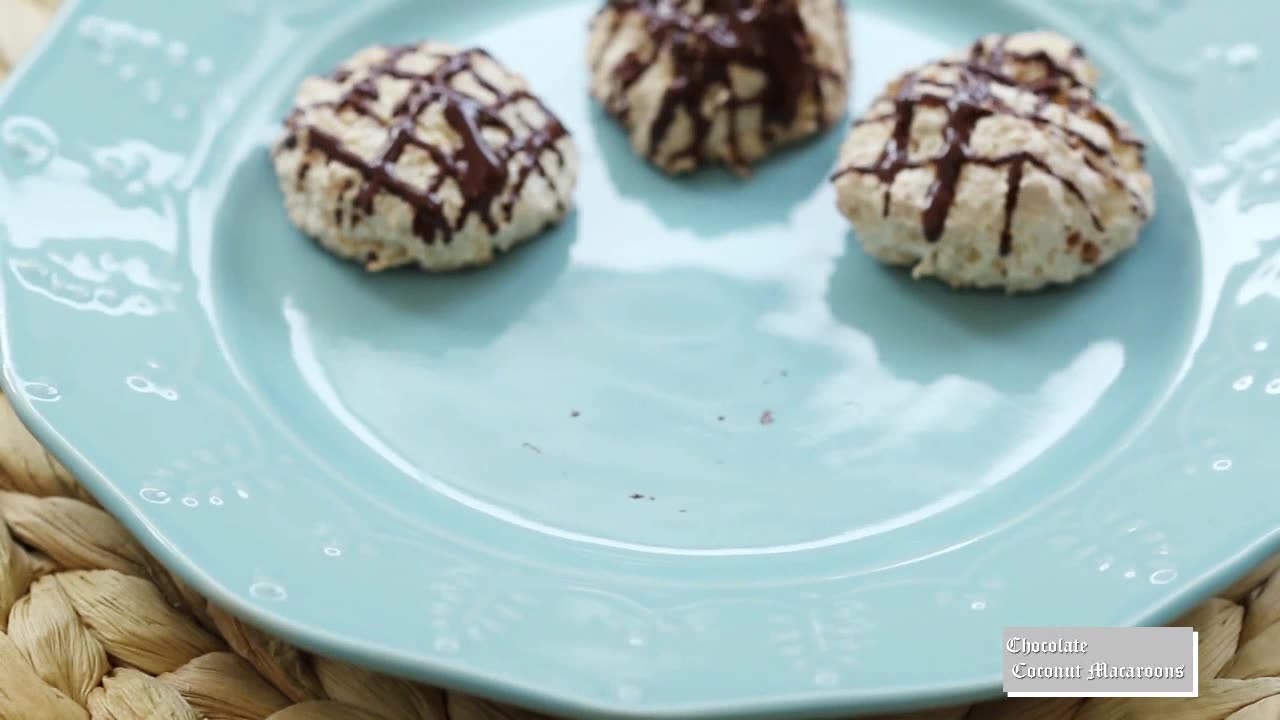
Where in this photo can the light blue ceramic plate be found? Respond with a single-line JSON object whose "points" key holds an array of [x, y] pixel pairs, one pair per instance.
{"points": [[388, 469]]}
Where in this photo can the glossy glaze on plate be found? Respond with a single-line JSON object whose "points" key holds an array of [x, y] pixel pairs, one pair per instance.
{"points": [[690, 453]]}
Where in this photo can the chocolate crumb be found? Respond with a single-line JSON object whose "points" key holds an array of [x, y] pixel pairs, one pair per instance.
{"points": [[291, 142], [1073, 239], [1089, 253], [574, 413], [766, 417], [720, 418], [637, 496]]}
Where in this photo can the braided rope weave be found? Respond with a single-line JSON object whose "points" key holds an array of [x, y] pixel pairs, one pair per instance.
{"points": [[92, 627]]}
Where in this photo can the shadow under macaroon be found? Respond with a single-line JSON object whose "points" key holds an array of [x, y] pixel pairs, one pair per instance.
{"points": [[1145, 300], [476, 304], [712, 201]]}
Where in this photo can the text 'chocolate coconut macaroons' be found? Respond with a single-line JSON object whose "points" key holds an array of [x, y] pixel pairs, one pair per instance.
{"points": [[698, 82], [996, 167], [424, 155]]}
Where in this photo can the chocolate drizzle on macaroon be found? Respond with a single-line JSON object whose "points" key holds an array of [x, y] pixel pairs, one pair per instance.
{"points": [[483, 171], [706, 38], [967, 100]]}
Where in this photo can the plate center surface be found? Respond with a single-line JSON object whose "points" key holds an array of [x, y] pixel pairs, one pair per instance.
{"points": [[697, 366]]}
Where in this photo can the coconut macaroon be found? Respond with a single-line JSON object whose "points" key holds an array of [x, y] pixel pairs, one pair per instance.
{"points": [[996, 167], [423, 155], [697, 82]]}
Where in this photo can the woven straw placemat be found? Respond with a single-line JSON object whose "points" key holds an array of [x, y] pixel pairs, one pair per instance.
{"points": [[92, 627]]}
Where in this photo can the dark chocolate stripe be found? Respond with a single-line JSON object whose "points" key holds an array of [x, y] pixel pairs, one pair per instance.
{"points": [[969, 101], [482, 171], [705, 39]]}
